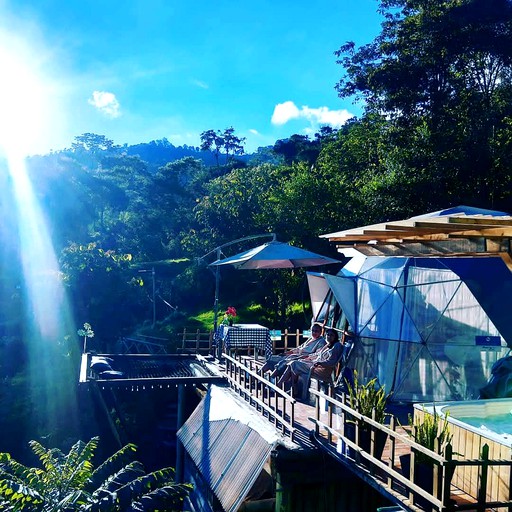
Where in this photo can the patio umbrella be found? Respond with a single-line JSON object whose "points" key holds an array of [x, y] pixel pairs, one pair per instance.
{"points": [[274, 255]]}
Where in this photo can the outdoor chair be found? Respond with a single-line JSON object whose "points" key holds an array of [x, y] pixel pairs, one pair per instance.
{"points": [[326, 377]]}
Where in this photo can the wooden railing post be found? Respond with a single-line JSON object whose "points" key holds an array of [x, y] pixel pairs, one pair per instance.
{"points": [[447, 475], [435, 471], [484, 469], [412, 465], [184, 339], [392, 426], [330, 411]]}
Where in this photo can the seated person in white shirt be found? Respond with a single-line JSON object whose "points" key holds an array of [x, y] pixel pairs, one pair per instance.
{"points": [[319, 365], [277, 363]]}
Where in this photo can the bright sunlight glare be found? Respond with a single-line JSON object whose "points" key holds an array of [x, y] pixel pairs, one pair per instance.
{"points": [[22, 99], [49, 331]]}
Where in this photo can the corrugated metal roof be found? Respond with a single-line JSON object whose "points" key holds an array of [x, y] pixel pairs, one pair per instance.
{"points": [[229, 445], [128, 369]]}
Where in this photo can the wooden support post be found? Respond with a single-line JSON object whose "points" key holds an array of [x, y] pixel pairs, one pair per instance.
{"points": [[330, 411], [435, 471], [392, 426], [484, 469], [447, 475]]}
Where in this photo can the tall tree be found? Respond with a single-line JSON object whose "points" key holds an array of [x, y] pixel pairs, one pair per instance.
{"points": [[442, 70], [226, 140], [212, 140]]}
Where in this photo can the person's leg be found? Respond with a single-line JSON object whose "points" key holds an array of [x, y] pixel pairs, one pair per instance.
{"points": [[280, 367], [287, 375], [270, 364]]}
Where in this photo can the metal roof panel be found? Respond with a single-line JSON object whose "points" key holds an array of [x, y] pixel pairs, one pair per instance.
{"points": [[229, 444]]}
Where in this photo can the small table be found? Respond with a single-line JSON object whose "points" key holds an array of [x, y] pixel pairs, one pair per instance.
{"points": [[245, 336]]}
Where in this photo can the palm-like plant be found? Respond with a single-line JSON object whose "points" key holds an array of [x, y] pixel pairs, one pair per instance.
{"points": [[431, 431], [68, 483], [369, 397]]}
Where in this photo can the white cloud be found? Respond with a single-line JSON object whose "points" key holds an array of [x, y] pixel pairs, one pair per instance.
{"points": [[322, 115], [201, 84], [106, 102], [253, 131], [284, 112]]}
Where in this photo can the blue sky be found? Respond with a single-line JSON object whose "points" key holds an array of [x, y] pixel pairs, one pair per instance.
{"points": [[140, 70]]}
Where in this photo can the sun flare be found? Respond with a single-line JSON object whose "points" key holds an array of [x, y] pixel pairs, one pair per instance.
{"points": [[24, 98]]}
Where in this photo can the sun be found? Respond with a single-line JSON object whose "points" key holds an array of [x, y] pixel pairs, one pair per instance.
{"points": [[23, 97]]}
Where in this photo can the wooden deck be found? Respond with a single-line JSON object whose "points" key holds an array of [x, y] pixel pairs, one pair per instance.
{"points": [[323, 425]]}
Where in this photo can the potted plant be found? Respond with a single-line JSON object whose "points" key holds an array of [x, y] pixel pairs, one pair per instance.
{"points": [[230, 316], [433, 432], [370, 400]]}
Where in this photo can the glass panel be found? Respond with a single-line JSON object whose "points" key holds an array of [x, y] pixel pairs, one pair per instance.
{"points": [[388, 271]]}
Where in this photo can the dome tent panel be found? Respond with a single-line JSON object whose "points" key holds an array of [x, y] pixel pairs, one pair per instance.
{"points": [[390, 320], [420, 337], [344, 291], [387, 271], [318, 288], [425, 375], [375, 358], [490, 282], [427, 303]]}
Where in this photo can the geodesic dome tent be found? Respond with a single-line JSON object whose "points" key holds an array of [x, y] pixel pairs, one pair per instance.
{"points": [[427, 328]]}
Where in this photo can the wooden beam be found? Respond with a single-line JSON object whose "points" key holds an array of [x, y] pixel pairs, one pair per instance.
{"points": [[506, 257], [390, 237], [446, 226], [420, 252], [489, 232], [490, 221]]}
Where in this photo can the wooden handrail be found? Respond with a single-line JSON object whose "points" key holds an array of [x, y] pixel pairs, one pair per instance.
{"points": [[444, 466], [259, 392]]}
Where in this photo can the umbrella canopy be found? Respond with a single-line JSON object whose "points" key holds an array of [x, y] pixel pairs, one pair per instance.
{"points": [[275, 255]]}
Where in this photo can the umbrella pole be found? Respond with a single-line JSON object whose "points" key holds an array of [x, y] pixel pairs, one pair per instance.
{"points": [[216, 304]]}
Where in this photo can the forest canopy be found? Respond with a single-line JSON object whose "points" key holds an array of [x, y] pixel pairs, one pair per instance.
{"points": [[435, 131], [130, 224]]}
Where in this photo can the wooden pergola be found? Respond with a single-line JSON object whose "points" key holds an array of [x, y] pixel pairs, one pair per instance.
{"points": [[432, 235]]}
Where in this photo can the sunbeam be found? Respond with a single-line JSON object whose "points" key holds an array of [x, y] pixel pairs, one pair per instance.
{"points": [[48, 328]]}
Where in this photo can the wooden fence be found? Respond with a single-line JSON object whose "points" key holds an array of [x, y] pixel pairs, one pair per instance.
{"points": [[270, 400], [199, 342], [386, 471]]}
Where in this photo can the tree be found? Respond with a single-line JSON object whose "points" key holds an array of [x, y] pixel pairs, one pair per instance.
{"points": [[441, 71], [103, 288], [215, 141], [297, 148], [70, 482], [212, 140], [92, 142], [233, 145]]}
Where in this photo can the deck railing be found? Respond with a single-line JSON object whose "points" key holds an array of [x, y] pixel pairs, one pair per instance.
{"points": [[196, 342], [386, 473], [200, 342], [142, 345], [271, 401]]}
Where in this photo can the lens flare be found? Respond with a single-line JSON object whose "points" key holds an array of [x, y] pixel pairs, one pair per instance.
{"points": [[48, 329]]}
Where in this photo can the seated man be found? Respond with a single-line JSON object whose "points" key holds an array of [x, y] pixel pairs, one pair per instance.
{"points": [[319, 365], [277, 364]]}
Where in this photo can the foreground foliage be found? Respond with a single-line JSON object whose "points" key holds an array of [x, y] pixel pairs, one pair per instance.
{"points": [[70, 482]]}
